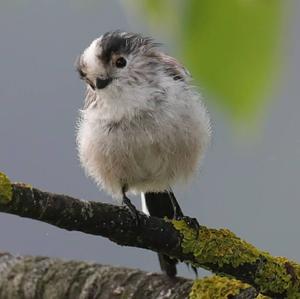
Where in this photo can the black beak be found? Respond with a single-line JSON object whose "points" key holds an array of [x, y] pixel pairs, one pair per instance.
{"points": [[102, 83]]}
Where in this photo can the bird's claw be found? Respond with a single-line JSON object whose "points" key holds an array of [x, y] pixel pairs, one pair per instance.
{"points": [[191, 222]]}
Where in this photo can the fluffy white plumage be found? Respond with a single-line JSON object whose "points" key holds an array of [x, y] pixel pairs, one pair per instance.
{"points": [[148, 128]]}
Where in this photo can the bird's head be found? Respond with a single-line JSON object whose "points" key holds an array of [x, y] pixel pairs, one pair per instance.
{"points": [[119, 60]]}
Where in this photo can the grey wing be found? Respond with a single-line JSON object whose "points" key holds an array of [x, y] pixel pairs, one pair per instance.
{"points": [[174, 68]]}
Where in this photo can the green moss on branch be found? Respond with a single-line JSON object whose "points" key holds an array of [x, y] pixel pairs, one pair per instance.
{"points": [[219, 288], [214, 246], [223, 251], [5, 189]]}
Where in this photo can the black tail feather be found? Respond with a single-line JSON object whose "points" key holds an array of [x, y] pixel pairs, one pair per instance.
{"points": [[164, 204], [167, 265]]}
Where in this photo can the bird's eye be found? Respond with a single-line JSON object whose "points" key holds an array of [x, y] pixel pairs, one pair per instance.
{"points": [[121, 62]]}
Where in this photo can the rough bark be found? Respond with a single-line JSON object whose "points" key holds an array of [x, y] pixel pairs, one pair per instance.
{"points": [[41, 277], [217, 250]]}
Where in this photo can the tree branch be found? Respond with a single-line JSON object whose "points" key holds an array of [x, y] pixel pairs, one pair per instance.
{"points": [[41, 277], [217, 250]]}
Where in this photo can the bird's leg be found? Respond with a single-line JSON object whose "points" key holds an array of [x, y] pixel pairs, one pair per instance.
{"points": [[132, 209], [178, 214], [192, 222]]}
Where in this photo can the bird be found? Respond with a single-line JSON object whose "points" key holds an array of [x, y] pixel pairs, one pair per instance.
{"points": [[143, 127]]}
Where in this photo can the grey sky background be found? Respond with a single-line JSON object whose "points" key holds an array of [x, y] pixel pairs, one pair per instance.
{"points": [[249, 186]]}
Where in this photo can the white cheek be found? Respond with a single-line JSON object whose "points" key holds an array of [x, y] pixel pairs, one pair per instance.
{"points": [[90, 56]]}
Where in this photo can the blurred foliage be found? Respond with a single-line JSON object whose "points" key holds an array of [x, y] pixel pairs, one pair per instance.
{"points": [[230, 46]]}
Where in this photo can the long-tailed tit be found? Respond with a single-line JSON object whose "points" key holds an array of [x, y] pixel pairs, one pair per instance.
{"points": [[143, 126]]}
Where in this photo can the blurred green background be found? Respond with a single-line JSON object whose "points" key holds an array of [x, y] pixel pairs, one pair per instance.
{"points": [[231, 47]]}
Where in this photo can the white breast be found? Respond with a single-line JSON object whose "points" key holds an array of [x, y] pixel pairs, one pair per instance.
{"points": [[149, 149]]}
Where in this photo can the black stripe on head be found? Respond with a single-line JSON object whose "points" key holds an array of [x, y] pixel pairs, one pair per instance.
{"points": [[123, 43]]}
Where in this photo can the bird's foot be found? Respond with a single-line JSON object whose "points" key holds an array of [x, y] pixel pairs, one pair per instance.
{"points": [[191, 222], [132, 209], [190, 266]]}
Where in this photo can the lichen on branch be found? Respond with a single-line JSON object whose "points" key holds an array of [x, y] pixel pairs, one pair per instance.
{"points": [[221, 250], [218, 287], [5, 189], [216, 246]]}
